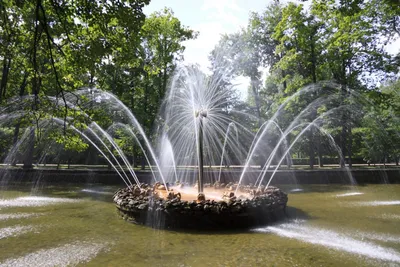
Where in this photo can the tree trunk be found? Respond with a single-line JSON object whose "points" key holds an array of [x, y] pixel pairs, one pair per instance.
{"points": [[165, 78], [254, 86], [18, 125], [91, 79], [349, 146], [319, 150], [384, 160], [133, 146], [343, 135], [288, 156], [133, 157], [311, 149], [145, 105], [4, 77], [143, 162], [15, 140], [28, 157], [313, 61], [343, 145]]}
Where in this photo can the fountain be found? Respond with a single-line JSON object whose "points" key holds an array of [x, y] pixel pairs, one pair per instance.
{"points": [[175, 204], [208, 168], [198, 127]]}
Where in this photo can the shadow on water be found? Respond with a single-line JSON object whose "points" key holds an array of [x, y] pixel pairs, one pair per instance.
{"points": [[291, 214]]}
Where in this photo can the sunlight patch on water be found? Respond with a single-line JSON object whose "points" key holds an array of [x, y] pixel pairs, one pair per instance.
{"points": [[349, 194], [378, 237], [33, 201], [14, 231], [332, 239], [91, 191], [66, 255], [378, 203], [10, 216], [390, 216]]}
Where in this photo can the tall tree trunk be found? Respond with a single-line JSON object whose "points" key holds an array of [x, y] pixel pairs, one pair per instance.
{"points": [[311, 149], [146, 92], [163, 83], [28, 157], [349, 122], [254, 86], [143, 162], [18, 125], [284, 81], [343, 135], [314, 113], [165, 79], [133, 146], [349, 145], [133, 157], [288, 156], [4, 78], [313, 62], [319, 150], [91, 79], [15, 140]]}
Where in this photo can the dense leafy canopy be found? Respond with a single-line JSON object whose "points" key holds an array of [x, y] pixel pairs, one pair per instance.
{"points": [[341, 41], [53, 47]]}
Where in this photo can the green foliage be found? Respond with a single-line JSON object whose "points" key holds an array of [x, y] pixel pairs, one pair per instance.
{"points": [[49, 48], [343, 41]]}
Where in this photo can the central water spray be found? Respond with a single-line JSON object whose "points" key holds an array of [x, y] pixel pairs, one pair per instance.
{"points": [[200, 114]]}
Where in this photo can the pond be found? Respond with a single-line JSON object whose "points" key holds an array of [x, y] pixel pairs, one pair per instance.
{"points": [[328, 225]]}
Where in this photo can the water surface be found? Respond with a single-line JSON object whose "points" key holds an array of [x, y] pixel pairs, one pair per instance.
{"points": [[78, 225]]}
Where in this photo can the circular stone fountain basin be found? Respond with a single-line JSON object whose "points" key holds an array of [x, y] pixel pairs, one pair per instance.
{"points": [[182, 208]]}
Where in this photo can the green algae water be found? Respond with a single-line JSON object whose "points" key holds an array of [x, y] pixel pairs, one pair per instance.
{"points": [[79, 226]]}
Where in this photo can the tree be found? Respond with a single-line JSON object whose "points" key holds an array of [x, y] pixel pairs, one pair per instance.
{"points": [[354, 50], [51, 47]]}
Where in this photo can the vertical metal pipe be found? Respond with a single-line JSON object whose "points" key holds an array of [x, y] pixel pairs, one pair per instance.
{"points": [[200, 181]]}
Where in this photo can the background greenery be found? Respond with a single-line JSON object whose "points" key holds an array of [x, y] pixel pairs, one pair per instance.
{"points": [[51, 47]]}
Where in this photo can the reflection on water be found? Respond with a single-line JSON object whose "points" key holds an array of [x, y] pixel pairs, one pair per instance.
{"points": [[79, 224]]}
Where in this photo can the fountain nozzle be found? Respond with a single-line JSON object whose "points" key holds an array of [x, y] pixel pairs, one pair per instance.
{"points": [[201, 112]]}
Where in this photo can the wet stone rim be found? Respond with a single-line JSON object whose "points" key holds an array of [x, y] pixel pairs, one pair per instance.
{"points": [[144, 206]]}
